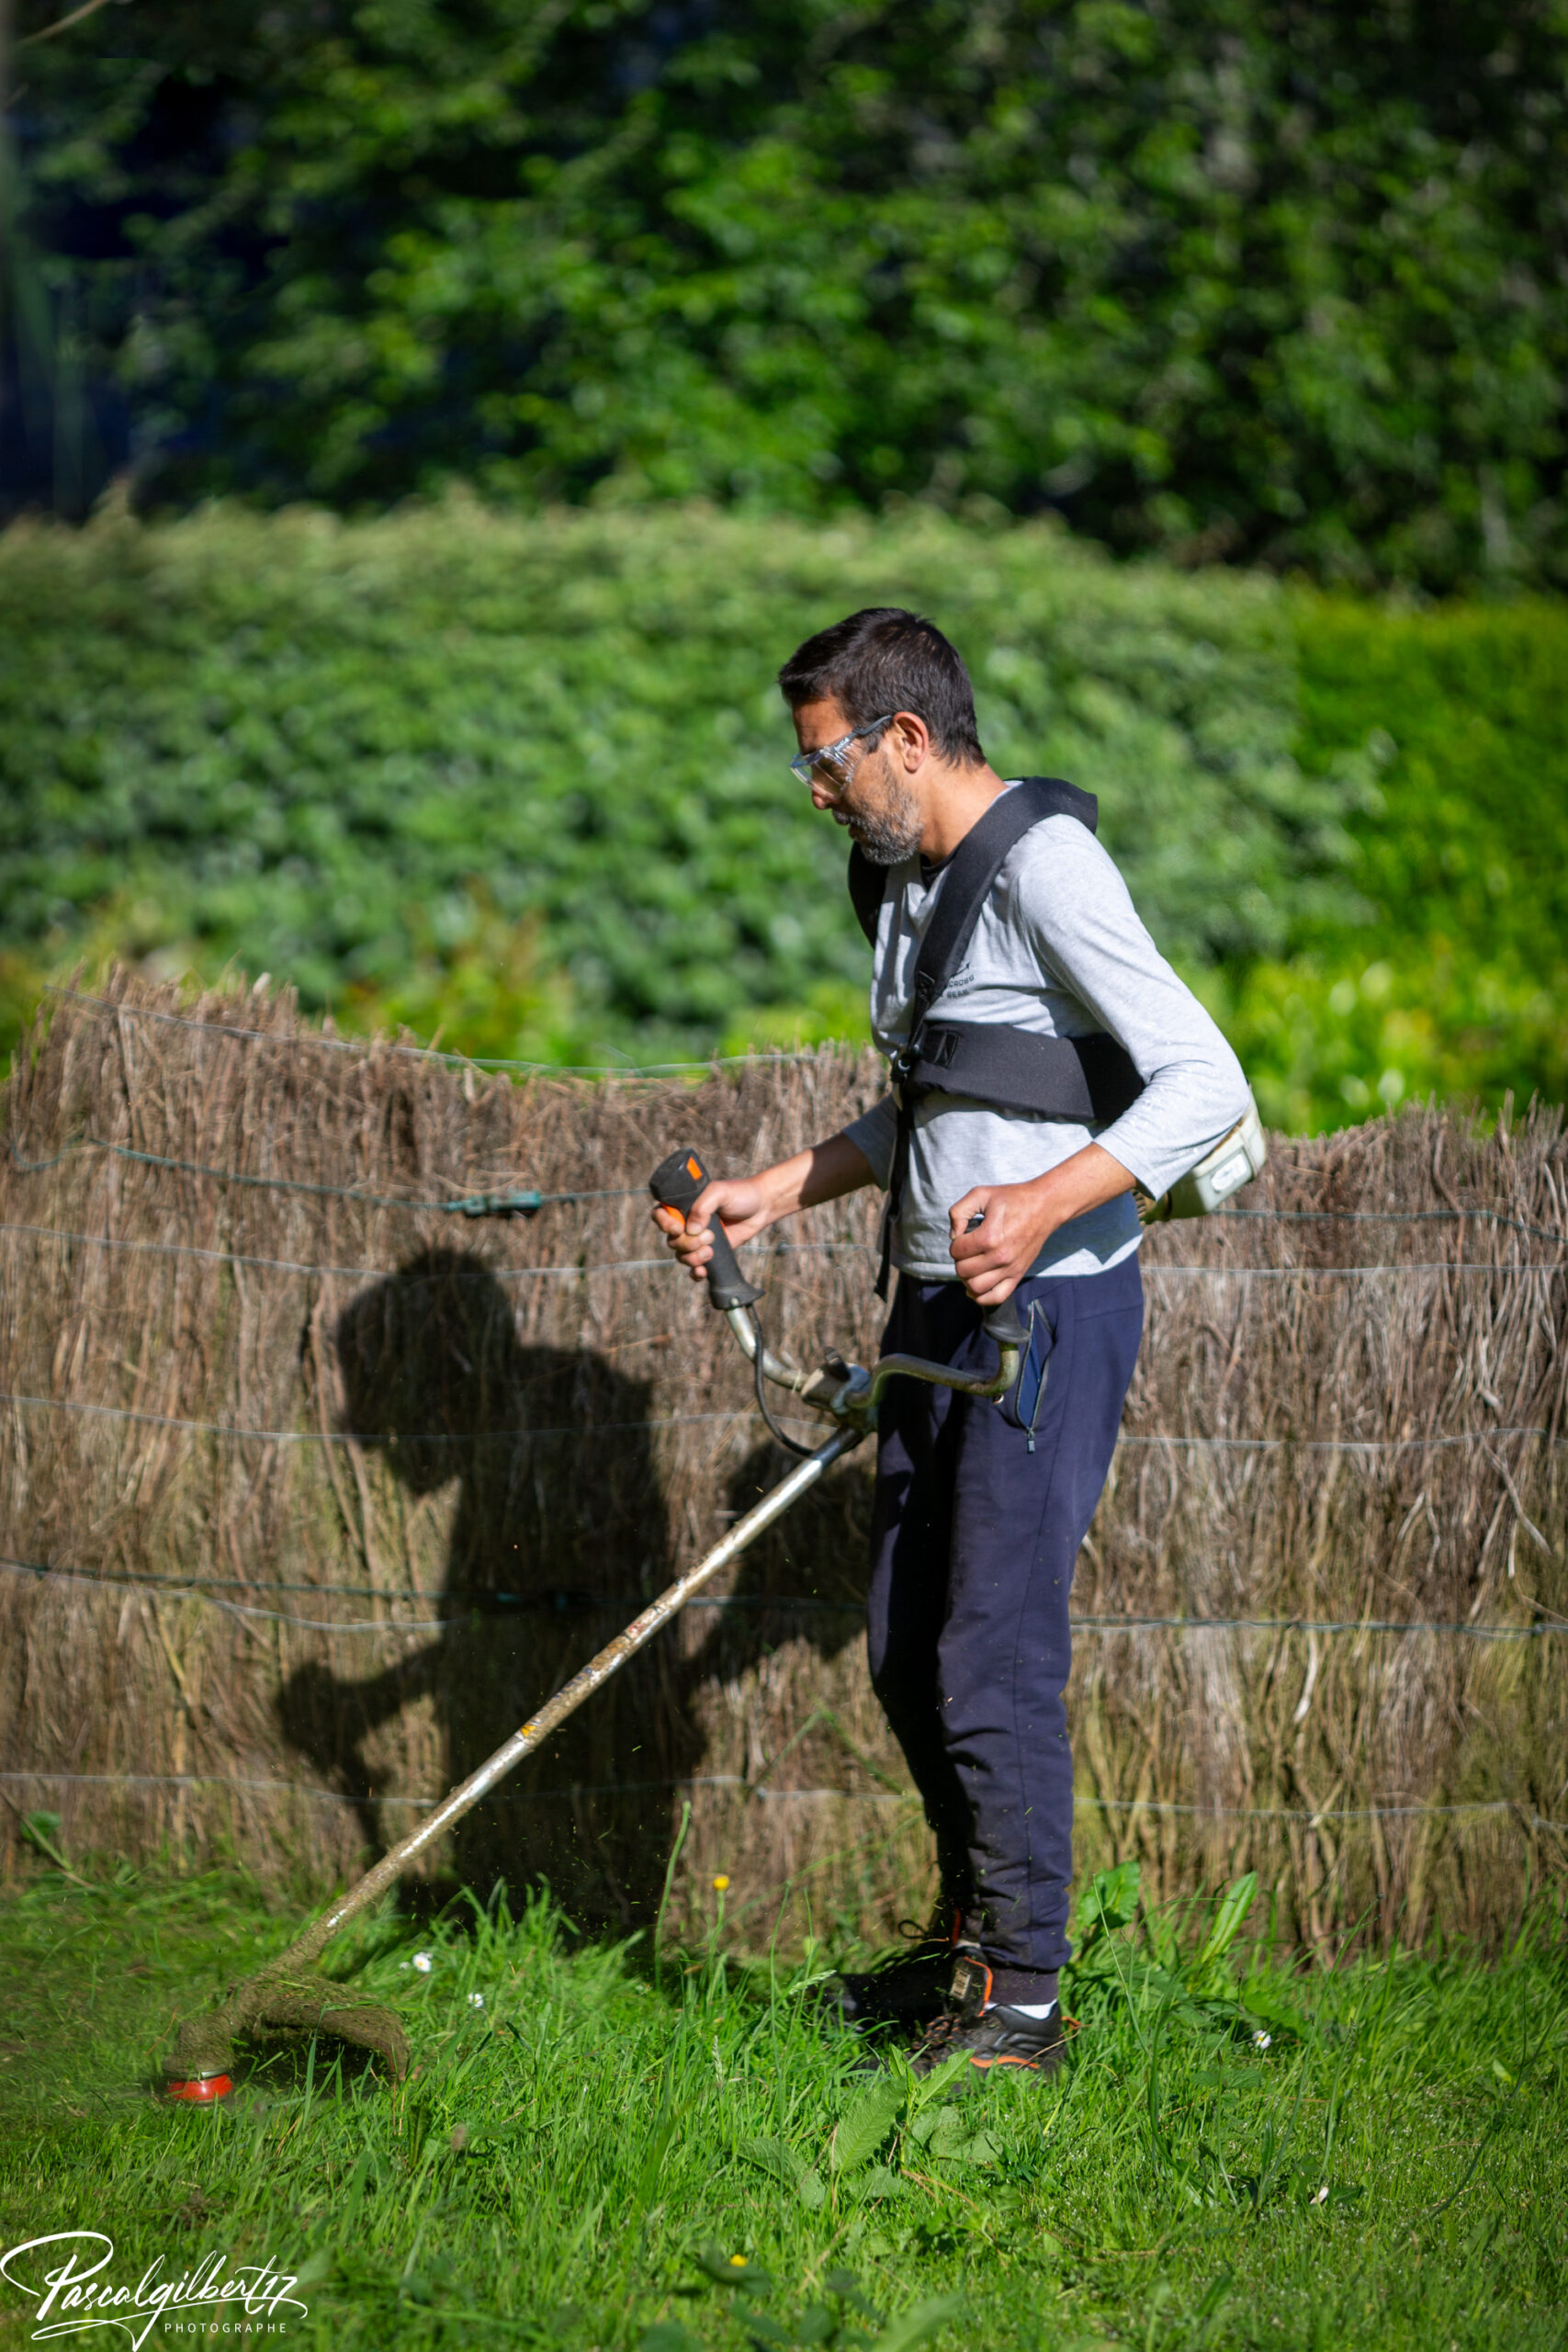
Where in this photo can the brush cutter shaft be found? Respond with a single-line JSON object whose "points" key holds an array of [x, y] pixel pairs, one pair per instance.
{"points": [[284, 1992], [538, 1727], [845, 1391], [287, 1994]]}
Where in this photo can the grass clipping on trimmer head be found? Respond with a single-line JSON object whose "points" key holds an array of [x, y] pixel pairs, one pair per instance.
{"points": [[204, 2047], [286, 1996]]}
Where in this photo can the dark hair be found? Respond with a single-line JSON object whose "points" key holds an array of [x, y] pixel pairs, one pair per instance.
{"points": [[885, 660]]}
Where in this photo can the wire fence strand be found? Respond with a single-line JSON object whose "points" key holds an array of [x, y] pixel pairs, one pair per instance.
{"points": [[527, 1202], [242, 1434], [765, 1792], [555, 1601], [1152, 1270], [472, 1204], [485, 1272]]}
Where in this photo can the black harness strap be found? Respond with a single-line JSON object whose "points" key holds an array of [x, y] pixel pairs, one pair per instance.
{"points": [[975, 865], [867, 883], [1081, 1079], [980, 855], [1078, 1079]]}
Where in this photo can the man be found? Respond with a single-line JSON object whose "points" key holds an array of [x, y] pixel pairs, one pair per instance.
{"points": [[980, 1507]]}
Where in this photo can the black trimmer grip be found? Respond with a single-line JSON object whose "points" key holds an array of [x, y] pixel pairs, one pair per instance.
{"points": [[675, 1184], [1000, 1323], [1003, 1325]]}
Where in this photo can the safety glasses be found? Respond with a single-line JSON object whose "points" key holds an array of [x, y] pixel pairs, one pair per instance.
{"points": [[833, 758]]}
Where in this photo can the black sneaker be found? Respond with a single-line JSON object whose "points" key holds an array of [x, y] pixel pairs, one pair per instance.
{"points": [[990, 2033], [908, 1991]]}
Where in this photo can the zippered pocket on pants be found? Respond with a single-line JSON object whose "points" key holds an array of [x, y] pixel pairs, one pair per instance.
{"points": [[1022, 1405]]}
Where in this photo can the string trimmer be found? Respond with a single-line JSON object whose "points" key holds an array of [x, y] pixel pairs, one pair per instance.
{"points": [[287, 1994]]}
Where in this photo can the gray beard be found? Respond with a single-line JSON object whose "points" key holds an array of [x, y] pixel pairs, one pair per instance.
{"points": [[891, 832]]}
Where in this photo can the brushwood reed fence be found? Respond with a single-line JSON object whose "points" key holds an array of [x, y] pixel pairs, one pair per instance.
{"points": [[314, 1482]]}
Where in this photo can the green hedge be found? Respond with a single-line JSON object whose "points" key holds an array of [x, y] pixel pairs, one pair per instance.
{"points": [[1454, 724], [386, 759], [524, 781]]}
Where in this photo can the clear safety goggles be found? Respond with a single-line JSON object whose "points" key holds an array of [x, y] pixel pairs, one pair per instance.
{"points": [[833, 758]]}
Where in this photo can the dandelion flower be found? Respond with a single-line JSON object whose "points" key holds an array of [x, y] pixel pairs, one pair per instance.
{"points": [[425, 1961], [738, 2261], [720, 1883]]}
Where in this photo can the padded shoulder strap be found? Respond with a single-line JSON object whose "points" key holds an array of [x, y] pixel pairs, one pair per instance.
{"points": [[975, 865], [867, 884], [1045, 796]]}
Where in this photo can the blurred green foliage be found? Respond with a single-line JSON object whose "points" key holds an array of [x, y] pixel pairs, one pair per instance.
{"points": [[522, 783], [1452, 728], [1249, 278]]}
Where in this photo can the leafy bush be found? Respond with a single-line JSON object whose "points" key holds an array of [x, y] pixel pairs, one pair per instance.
{"points": [[522, 783], [528, 777], [1281, 284], [1451, 726]]}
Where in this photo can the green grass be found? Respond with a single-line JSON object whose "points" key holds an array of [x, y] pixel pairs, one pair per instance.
{"points": [[579, 2161]]}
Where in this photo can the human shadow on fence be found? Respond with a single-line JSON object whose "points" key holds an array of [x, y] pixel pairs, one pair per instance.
{"points": [[557, 1535]]}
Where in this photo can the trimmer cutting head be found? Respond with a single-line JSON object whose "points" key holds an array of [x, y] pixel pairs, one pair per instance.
{"points": [[199, 2067], [201, 2089]]}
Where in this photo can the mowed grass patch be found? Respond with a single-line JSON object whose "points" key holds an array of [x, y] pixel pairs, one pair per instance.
{"points": [[594, 2153]]}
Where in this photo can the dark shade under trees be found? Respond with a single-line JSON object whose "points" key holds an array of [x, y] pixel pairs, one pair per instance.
{"points": [[1265, 280]]}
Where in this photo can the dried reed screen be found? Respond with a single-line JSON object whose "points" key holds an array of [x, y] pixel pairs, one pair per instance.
{"points": [[312, 1489]]}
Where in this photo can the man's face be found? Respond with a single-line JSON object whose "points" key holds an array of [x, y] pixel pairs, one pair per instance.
{"points": [[872, 800]]}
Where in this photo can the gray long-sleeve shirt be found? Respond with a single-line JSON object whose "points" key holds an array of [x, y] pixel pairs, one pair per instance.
{"points": [[1058, 949]]}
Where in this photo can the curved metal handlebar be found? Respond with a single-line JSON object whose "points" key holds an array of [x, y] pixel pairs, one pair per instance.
{"points": [[846, 1391], [942, 1375], [1000, 1324], [850, 1393]]}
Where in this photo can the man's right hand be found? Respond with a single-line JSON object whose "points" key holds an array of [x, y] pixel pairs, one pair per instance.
{"points": [[747, 1205], [742, 1207]]}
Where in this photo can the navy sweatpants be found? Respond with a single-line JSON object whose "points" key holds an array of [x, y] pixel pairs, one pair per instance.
{"points": [[973, 1541]]}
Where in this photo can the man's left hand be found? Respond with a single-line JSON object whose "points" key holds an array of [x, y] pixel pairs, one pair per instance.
{"points": [[1021, 1218], [994, 1259]]}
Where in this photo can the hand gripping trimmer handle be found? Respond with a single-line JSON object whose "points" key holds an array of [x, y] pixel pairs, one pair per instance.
{"points": [[1002, 1323], [675, 1184]]}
